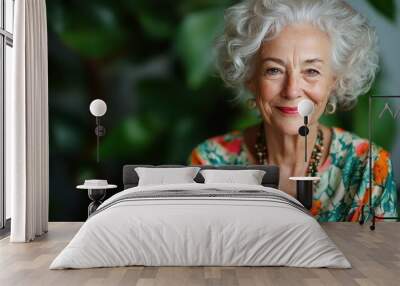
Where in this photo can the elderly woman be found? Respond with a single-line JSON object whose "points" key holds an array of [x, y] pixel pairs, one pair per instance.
{"points": [[284, 51]]}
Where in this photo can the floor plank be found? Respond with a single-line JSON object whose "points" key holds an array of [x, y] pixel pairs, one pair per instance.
{"points": [[374, 255]]}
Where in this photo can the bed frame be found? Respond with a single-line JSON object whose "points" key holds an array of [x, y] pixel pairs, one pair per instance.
{"points": [[271, 178]]}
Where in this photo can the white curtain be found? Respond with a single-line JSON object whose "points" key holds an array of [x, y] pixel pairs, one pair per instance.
{"points": [[27, 148]]}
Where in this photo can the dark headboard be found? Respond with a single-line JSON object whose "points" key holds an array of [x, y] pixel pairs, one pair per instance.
{"points": [[270, 179]]}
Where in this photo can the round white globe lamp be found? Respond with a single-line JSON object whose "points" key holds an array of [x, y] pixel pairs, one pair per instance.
{"points": [[98, 107]]}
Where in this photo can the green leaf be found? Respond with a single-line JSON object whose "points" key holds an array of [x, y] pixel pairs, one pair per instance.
{"points": [[180, 140], [248, 117], [387, 8], [330, 120], [93, 31], [156, 19], [65, 136], [155, 27], [360, 116], [187, 7], [195, 42], [92, 43], [133, 135]]}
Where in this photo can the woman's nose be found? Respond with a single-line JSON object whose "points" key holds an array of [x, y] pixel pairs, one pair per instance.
{"points": [[292, 86]]}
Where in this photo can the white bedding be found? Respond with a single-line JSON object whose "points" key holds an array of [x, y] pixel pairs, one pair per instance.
{"points": [[200, 231]]}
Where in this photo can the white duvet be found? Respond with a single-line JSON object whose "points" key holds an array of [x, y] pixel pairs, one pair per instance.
{"points": [[200, 231]]}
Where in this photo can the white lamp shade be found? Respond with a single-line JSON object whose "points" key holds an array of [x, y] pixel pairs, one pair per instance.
{"points": [[98, 107], [305, 107]]}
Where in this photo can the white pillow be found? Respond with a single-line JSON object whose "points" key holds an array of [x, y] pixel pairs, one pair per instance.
{"points": [[161, 176], [249, 177]]}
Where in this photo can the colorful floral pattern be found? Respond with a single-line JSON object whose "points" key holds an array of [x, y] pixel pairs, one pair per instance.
{"points": [[344, 185]]}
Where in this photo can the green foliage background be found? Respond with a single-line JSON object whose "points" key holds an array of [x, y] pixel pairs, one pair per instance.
{"points": [[152, 62]]}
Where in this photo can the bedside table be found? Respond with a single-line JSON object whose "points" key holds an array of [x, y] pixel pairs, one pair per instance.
{"points": [[96, 194], [304, 189]]}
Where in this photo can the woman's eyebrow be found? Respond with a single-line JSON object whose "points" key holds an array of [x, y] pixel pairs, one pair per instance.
{"points": [[311, 61], [281, 62], [277, 60]]}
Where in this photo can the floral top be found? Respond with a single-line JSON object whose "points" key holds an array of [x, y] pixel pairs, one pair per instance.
{"points": [[344, 176]]}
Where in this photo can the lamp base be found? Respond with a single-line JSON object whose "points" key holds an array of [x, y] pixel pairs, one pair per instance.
{"points": [[97, 196]]}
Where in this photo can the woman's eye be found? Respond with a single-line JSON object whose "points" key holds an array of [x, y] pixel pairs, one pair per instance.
{"points": [[272, 71], [312, 72]]}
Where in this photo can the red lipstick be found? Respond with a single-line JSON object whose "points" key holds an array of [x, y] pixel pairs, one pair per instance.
{"points": [[288, 109]]}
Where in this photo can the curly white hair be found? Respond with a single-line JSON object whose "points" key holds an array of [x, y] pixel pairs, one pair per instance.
{"points": [[355, 51]]}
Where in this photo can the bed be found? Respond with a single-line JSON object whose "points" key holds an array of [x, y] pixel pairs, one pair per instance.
{"points": [[201, 224]]}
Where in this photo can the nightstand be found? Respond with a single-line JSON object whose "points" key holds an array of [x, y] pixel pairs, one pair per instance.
{"points": [[96, 193], [304, 190]]}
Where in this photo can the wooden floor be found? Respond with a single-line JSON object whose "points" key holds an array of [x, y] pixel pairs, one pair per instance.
{"points": [[374, 255]]}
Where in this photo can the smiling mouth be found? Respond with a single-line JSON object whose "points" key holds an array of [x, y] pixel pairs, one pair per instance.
{"points": [[287, 110]]}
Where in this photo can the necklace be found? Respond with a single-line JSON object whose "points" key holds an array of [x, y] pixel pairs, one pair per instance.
{"points": [[262, 154]]}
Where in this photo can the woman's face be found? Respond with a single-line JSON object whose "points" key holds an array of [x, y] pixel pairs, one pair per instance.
{"points": [[293, 66]]}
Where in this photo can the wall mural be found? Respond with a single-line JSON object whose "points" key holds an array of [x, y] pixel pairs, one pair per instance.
{"points": [[152, 62]]}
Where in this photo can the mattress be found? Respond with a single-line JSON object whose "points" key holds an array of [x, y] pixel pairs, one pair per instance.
{"points": [[201, 225]]}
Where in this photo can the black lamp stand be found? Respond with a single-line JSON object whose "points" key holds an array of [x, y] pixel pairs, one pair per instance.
{"points": [[303, 131], [99, 131]]}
